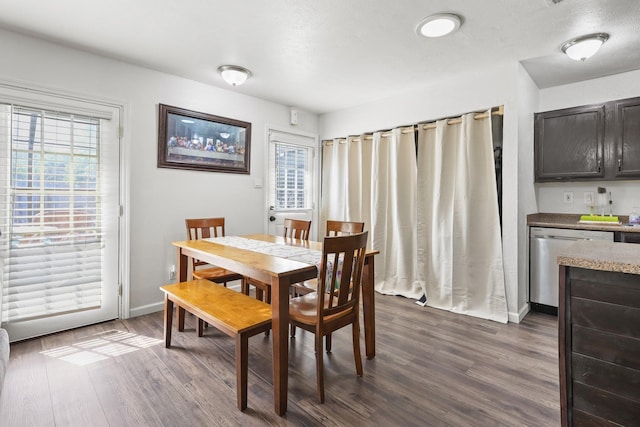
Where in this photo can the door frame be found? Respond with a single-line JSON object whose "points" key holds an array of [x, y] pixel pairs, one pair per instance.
{"points": [[315, 160], [34, 94]]}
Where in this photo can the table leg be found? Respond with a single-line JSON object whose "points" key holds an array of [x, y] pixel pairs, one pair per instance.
{"points": [[183, 263], [168, 320], [280, 326], [368, 308]]}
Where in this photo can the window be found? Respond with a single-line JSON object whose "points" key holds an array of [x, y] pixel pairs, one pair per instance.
{"points": [[291, 182], [58, 216]]}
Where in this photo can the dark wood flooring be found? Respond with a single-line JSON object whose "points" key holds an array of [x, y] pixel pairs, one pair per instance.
{"points": [[432, 368]]}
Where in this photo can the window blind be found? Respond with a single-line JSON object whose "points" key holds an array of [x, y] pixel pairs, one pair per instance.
{"points": [[289, 171], [51, 212]]}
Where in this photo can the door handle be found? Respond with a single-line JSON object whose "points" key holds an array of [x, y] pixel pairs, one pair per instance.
{"points": [[272, 218]]}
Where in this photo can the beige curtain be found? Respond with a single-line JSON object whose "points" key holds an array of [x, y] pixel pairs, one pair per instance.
{"points": [[346, 181], [372, 178], [435, 223], [393, 211], [459, 255]]}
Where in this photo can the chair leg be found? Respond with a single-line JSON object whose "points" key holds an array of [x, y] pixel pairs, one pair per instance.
{"points": [[356, 347], [242, 368], [293, 330], [320, 366], [244, 286], [328, 344]]}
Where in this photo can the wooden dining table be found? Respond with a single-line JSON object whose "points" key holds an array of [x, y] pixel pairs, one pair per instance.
{"points": [[280, 273]]}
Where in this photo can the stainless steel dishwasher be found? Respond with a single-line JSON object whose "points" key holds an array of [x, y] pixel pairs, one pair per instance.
{"points": [[545, 244]]}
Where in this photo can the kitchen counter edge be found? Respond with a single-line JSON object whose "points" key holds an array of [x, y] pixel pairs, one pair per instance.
{"points": [[570, 221], [603, 256]]}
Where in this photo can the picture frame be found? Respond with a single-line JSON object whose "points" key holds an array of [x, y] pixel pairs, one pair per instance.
{"points": [[203, 142]]}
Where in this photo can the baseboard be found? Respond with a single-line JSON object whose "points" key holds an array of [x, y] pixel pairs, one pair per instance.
{"points": [[517, 317], [146, 309]]}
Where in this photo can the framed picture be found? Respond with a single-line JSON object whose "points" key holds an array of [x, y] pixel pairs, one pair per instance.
{"points": [[199, 141]]}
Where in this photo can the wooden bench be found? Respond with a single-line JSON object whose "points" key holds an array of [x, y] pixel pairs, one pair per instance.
{"points": [[234, 313]]}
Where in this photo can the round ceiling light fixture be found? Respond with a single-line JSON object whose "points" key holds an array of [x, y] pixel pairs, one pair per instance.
{"points": [[439, 25], [583, 48], [234, 74]]}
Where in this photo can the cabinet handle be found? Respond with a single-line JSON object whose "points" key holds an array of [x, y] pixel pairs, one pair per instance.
{"points": [[619, 165]]}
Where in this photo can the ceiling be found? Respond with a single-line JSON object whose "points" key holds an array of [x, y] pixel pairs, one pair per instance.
{"points": [[327, 55]]}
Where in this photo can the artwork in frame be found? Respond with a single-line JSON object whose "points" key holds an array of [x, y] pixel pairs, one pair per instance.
{"points": [[199, 141]]}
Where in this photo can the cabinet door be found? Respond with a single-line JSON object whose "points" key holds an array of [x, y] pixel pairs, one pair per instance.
{"points": [[627, 137], [569, 144]]}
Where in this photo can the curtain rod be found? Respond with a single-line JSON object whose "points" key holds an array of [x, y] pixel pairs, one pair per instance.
{"points": [[431, 125], [458, 120]]}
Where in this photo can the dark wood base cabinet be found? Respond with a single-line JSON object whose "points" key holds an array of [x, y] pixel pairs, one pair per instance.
{"points": [[599, 347]]}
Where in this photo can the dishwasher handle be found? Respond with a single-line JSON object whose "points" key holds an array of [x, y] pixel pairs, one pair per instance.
{"points": [[550, 236]]}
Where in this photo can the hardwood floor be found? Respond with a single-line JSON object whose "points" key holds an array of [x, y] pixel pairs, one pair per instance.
{"points": [[431, 368]]}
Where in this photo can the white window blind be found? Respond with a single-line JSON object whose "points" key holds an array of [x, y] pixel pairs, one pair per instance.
{"points": [[289, 170], [51, 212]]}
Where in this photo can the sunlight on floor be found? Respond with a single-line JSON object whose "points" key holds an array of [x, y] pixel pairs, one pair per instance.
{"points": [[101, 346]]}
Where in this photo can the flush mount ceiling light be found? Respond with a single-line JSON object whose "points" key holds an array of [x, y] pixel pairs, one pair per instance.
{"points": [[582, 48], [233, 74], [439, 25]]}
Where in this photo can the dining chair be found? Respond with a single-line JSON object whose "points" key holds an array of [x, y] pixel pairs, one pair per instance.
{"points": [[336, 304], [293, 228], [334, 228], [203, 228], [297, 228]]}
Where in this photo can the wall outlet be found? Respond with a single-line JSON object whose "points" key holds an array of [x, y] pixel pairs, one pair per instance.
{"points": [[172, 272], [568, 197]]}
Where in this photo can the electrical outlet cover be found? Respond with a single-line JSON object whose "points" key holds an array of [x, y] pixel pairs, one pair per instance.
{"points": [[568, 197]]}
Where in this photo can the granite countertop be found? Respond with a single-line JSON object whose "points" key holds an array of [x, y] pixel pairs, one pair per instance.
{"points": [[602, 255], [571, 221]]}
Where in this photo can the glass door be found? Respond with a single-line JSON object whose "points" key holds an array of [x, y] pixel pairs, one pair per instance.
{"points": [[59, 216], [291, 189]]}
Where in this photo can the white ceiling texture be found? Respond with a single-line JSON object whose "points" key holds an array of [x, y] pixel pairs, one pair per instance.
{"points": [[326, 55]]}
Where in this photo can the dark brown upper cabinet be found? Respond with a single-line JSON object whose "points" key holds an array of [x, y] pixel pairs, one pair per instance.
{"points": [[591, 142], [569, 144], [627, 138]]}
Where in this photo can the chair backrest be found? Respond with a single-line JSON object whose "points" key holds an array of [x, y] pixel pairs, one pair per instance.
{"points": [[342, 228], [341, 275], [297, 228], [203, 228]]}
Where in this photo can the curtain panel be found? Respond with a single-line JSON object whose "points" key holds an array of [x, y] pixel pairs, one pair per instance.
{"points": [[432, 214], [459, 259]]}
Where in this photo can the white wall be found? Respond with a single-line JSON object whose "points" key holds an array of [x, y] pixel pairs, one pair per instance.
{"points": [[625, 194], [473, 91], [528, 99], [159, 199]]}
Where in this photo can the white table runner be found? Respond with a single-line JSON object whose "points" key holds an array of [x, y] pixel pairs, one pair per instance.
{"points": [[295, 253]]}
